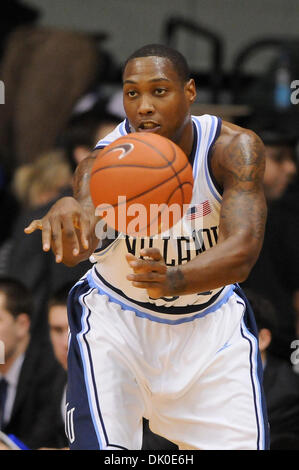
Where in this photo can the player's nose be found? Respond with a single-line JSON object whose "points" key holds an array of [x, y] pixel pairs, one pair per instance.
{"points": [[146, 106]]}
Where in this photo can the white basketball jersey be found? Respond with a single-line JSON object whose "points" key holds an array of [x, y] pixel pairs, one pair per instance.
{"points": [[194, 234]]}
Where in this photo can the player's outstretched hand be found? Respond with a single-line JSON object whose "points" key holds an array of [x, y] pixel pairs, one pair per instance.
{"points": [[67, 228], [149, 272]]}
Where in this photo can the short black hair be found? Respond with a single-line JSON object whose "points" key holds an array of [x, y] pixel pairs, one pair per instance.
{"points": [[264, 311], [18, 298], [80, 131], [160, 50], [60, 296]]}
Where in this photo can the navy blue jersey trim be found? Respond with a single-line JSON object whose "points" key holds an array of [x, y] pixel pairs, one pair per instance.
{"points": [[161, 309], [93, 374], [86, 360], [114, 446], [209, 157], [78, 389], [253, 387], [251, 326], [127, 126], [194, 145], [105, 243]]}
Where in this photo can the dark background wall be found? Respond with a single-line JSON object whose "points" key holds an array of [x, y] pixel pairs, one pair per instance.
{"points": [[132, 23]]}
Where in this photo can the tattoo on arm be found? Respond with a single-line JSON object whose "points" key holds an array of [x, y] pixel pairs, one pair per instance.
{"points": [[244, 206], [176, 280], [245, 159]]}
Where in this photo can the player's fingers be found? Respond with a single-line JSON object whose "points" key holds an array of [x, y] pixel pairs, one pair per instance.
{"points": [[146, 285], [70, 235], [56, 237], [146, 277], [46, 235], [84, 226], [147, 265], [34, 225], [130, 258], [153, 253]]}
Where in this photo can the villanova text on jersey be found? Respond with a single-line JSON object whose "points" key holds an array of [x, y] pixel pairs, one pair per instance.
{"points": [[194, 234], [185, 247]]}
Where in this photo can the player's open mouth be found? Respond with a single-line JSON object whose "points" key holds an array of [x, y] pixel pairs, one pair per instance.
{"points": [[149, 126]]}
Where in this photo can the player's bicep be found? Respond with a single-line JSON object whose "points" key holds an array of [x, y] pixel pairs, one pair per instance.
{"points": [[243, 209]]}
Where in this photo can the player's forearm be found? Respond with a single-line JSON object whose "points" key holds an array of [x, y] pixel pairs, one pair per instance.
{"points": [[81, 182], [228, 262], [239, 164]]}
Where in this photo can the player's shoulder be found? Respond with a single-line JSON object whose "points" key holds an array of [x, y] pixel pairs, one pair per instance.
{"points": [[232, 132], [236, 147], [236, 140], [225, 132]]}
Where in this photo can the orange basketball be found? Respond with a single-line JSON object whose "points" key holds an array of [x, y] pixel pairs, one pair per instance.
{"points": [[141, 184]]}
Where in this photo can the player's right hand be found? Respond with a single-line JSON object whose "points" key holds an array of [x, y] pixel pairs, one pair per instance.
{"points": [[67, 226]]}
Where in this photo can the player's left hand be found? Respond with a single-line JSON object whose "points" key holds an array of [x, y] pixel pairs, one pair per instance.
{"points": [[149, 273]]}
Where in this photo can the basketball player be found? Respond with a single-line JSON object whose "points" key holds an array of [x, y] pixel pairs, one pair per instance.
{"points": [[159, 327]]}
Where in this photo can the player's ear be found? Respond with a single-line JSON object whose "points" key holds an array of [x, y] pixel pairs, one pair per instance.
{"points": [[190, 90]]}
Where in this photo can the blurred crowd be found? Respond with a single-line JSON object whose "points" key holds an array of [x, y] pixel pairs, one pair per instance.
{"points": [[54, 113]]}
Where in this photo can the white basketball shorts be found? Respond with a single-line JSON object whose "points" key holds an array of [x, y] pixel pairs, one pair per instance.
{"points": [[197, 378]]}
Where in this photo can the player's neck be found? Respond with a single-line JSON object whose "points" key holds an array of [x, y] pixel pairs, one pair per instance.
{"points": [[186, 141]]}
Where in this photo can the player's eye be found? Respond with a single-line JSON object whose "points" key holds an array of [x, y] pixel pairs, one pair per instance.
{"points": [[131, 93], [160, 91]]}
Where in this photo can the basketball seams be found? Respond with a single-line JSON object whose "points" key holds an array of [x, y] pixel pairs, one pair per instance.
{"points": [[180, 186], [153, 148], [176, 174], [176, 186], [169, 162], [126, 165], [152, 188], [161, 213], [169, 198]]}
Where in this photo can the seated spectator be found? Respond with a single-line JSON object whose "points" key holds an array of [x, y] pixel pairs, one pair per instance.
{"points": [[281, 383], [82, 133], [280, 167], [28, 372], [36, 185], [58, 328], [276, 272]]}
